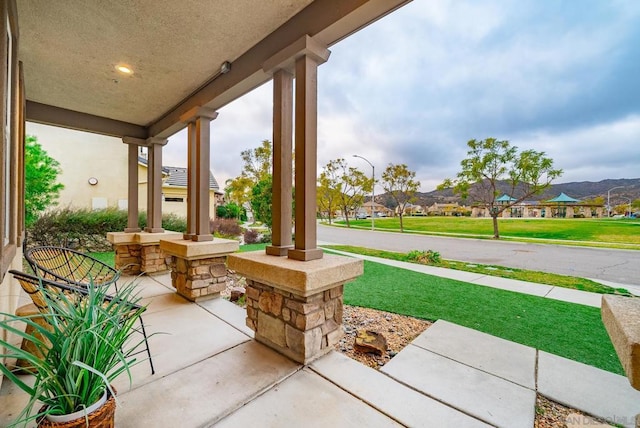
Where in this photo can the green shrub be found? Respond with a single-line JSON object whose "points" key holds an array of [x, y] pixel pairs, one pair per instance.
{"points": [[428, 257], [231, 210], [86, 230]]}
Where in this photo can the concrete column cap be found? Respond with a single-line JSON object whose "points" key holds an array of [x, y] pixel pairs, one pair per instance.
{"points": [[286, 58], [198, 112]]}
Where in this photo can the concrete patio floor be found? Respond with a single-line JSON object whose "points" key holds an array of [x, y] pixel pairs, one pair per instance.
{"points": [[209, 371]]}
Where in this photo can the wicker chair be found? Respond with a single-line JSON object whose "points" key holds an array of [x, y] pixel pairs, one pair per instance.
{"points": [[72, 267], [33, 286]]}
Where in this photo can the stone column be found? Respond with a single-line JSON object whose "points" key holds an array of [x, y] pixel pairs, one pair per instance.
{"points": [[132, 194], [198, 120], [295, 308], [154, 185], [282, 159], [570, 212], [198, 269]]}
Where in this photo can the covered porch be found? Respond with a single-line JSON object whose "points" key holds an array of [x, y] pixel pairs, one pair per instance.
{"points": [[211, 372]]}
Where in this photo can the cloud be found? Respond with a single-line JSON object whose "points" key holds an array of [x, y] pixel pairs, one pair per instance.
{"points": [[415, 86]]}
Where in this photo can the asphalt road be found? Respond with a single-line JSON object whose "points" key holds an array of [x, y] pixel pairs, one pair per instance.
{"points": [[619, 266]]}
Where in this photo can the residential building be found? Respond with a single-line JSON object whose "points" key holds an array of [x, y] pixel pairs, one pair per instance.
{"points": [[102, 182]]}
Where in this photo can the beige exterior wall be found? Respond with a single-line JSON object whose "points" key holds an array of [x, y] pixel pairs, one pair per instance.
{"points": [[83, 155]]}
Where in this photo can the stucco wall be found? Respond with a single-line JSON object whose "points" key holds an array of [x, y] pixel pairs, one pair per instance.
{"points": [[83, 155]]}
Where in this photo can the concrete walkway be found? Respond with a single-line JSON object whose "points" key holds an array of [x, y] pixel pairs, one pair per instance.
{"points": [[540, 290], [211, 372]]}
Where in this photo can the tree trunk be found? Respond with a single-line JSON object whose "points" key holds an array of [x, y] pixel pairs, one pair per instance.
{"points": [[401, 228], [496, 234]]}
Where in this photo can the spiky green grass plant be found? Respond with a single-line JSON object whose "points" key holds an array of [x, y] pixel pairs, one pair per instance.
{"points": [[85, 344]]}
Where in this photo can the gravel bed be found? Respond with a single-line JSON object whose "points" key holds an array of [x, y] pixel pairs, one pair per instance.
{"points": [[399, 331]]}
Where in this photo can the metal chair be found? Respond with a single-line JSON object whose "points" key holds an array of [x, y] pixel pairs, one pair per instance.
{"points": [[33, 286], [69, 266]]}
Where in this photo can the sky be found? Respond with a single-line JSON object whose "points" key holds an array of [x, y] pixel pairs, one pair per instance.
{"points": [[557, 76]]}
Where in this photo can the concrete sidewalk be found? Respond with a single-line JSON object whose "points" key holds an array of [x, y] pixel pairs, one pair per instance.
{"points": [[210, 372], [540, 290]]}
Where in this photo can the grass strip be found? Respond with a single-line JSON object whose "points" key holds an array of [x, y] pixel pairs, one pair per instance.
{"points": [[553, 279], [569, 330]]}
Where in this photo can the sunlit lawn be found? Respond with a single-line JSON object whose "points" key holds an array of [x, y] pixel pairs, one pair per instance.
{"points": [[561, 328], [624, 231]]}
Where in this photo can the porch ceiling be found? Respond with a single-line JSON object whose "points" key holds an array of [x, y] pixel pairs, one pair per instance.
{"points": [[70, 49]]}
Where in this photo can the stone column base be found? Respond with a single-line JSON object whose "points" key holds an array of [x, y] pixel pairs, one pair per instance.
{"points": [[295, 307], [140, 252], [198, 269]]}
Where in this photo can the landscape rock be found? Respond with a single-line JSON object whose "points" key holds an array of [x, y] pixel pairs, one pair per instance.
{"points": [[370, 341], [236, 293]]}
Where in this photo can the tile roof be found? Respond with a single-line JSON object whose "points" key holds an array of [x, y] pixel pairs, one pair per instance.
{"points": [[178, 176]]}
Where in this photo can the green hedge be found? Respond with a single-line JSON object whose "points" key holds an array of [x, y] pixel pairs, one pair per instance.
{"points": [[86, 230]]}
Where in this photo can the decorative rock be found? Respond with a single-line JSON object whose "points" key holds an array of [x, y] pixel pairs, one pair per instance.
{"points": [[370, 341], [236, 293]]}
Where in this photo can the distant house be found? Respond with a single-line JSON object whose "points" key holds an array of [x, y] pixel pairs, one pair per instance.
{"points": [[94, 172], [452, 209], [380, 210], [174, 189], [562, 206]]}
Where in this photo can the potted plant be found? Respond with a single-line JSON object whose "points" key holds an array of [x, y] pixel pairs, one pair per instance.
{"points": [[84, 344]]}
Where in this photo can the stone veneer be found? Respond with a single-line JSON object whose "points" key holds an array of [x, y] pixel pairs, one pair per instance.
{"points": [[139, 252], [133, 259], [199, 269], [295, 307], [199, 279], [301, 328]]}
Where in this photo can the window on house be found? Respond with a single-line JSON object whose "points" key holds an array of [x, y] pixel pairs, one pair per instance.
{"points": [[174, 199]]}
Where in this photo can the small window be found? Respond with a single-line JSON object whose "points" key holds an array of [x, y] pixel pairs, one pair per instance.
{"points": [[98, 203], [174, 199]]}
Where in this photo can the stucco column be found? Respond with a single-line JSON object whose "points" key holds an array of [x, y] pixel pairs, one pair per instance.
{"points": [[302, 57], [191, 181], [198, 172], [132, 193], [154, 185], [282, 158]]}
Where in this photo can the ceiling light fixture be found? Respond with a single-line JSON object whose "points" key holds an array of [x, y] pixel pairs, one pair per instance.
{"points": [[225, 67], [124, 69]]}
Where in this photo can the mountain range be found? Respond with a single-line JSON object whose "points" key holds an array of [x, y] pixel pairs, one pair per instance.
{"points": [[624, 189]]}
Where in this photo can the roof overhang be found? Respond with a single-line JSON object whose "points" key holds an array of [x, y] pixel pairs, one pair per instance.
{"points": [[70, 49]]}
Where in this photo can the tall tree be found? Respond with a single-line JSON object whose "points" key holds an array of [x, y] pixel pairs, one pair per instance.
{"points": [[491, 161], [349, 184], [256, 167], [41, 173], [400, 183], [329, 190], [257, 162], [261, 201]]}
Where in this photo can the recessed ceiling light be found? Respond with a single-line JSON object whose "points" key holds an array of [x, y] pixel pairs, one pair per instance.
{"points": [[124, 69]]}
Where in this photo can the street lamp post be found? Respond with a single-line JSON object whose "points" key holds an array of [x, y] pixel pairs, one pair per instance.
{"points": [[373, 189], [609, 198]]}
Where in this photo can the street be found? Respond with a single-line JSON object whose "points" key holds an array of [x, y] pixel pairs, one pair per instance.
{"points": [[620, 266]]}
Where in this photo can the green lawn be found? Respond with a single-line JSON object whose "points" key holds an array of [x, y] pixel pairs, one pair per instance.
{"points": [[572, 331], [565, 329], [556, 280], [623, 232]]}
